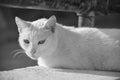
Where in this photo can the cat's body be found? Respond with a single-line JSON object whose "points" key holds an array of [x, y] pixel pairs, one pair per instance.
{"points": [[74, 48]]}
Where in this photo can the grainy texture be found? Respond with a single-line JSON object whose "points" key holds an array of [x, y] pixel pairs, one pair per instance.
{"points": [[83, 7], [39, 73], [101, 7]]}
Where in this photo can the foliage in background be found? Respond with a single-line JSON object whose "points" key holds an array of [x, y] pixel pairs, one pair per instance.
{"points": [[101, 7]]}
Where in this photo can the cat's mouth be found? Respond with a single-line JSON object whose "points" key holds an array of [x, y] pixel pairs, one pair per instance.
{"points": [[32, 56]]}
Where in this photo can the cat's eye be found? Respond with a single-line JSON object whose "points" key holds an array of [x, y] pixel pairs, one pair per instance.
{"points": [[26, 41], [41, 42]]}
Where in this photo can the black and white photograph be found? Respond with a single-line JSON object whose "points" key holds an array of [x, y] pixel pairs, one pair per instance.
{"points": [[59, 39]]}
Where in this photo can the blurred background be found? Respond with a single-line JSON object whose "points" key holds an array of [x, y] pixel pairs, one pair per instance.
{"points": [[9, 33]]}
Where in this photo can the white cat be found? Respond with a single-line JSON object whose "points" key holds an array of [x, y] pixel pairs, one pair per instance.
{"points": [[58, 46]]}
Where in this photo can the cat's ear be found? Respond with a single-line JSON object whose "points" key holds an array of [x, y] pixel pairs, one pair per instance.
{"points": [[51, 24], [21, 24]]}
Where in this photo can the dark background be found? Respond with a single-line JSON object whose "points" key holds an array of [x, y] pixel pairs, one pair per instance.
{"points": [[9, 34]]}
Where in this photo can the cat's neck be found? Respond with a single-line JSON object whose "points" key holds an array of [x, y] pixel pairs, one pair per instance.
{"points": [[62, 30], [64, 35]]}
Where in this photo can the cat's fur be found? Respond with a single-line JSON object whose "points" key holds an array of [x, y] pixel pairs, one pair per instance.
{"points": [[68, 47]]}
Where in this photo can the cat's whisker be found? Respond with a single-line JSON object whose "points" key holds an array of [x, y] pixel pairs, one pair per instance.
{"points": [[17, 52]]}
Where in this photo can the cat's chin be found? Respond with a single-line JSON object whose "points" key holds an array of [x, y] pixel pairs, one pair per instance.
{"points": [[33, 58]]}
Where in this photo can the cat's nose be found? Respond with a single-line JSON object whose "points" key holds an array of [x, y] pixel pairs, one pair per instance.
{"points": [[33, 51]]}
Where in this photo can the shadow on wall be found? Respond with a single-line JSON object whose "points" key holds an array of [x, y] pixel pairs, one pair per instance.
{"points": [[9, 34], [111, 21]]}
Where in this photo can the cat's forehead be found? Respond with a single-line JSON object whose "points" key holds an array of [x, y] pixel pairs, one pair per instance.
{"points": [[34, 34], [40, 23], [37, 32]]}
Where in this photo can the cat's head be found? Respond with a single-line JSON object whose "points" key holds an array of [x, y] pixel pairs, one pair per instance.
{"points": [[37, 38]]}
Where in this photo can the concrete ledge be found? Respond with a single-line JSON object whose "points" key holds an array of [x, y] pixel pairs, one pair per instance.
{"points": [[39, 73]]}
